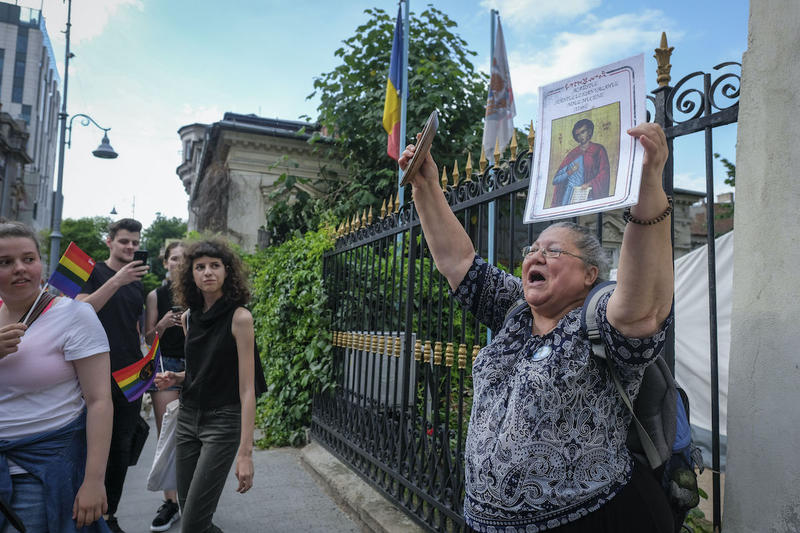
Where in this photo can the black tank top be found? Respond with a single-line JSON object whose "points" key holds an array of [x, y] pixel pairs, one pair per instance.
{"points": [[171, 342], [212, 360]]}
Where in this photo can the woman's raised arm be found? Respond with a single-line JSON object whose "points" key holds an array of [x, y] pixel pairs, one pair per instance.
{"points": [[450, 245], [643, 297]]}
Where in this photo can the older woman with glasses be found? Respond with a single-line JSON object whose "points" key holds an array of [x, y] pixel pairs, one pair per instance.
{"points": [[546, 446]]}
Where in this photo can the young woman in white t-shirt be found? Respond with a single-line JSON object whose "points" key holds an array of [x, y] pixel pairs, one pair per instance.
{"points": [[55, 398]]}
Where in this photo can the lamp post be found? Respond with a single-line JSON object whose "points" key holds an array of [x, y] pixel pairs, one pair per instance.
{"points": [[104, 151]]}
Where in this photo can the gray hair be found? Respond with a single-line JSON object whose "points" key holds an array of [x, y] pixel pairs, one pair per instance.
{"points": [[588, 245]]}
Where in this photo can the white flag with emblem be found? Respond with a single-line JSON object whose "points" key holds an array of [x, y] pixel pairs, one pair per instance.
{"points": [[500, 110]]}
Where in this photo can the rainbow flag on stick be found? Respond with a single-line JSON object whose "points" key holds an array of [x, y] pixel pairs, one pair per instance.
{"points": [[72, 271], [136, 378]]}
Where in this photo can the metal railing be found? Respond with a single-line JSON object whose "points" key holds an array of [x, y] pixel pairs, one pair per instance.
{"points": [[403, 349]]}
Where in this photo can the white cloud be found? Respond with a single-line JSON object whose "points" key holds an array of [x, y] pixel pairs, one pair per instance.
{"points": [[89, 17], [528, 12], [571, 52]]}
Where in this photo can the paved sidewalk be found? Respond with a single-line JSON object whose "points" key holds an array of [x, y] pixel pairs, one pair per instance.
{"points": [[284, 498]]}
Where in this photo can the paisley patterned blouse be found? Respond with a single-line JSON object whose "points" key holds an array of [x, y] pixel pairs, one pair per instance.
{"points": [[546, 438]]}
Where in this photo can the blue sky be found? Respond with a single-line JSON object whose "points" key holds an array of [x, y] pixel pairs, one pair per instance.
{"points": [[147, 67]]}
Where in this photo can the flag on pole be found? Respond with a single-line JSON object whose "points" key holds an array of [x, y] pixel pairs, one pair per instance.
{"points": [[136, 378], [500, 109], [391, 105], [72, 271]]}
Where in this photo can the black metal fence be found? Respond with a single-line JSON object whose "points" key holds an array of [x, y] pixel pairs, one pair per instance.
{"points": [[403, 349]]}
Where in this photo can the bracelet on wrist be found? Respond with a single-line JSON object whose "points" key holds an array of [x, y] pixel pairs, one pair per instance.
{"points": [[627, 217]]}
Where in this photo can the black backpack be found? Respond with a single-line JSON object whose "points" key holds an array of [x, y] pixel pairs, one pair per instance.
{"points": [[662, 435], [662, 438]]}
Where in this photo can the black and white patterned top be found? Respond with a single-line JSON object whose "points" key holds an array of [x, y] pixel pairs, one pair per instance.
{"points": [[546, 438]]}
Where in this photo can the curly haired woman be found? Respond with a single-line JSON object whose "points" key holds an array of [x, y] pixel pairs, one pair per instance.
{"points": [[217, 412]]}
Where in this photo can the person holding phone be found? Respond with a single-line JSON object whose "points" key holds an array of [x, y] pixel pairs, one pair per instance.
{"points": [[163, 318], [116, 293]]}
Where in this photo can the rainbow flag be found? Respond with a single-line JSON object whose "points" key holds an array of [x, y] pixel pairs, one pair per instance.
{"points": [[136, 378], [391, 105], [72, 271]]}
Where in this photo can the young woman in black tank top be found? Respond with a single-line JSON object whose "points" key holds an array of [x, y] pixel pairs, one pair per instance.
{"points": [[217, 413], [164, 319]]}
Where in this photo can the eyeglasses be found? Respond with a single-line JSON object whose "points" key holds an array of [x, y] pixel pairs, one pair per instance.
{"points": [[549, 252]]}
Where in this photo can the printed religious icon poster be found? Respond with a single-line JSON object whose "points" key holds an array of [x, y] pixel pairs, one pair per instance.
{"points": [[584, 161]]}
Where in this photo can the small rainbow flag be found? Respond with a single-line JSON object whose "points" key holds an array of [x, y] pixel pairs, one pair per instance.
{"points": [[136, 378], [72, 271]]}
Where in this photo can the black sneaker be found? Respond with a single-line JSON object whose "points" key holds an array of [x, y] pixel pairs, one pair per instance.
{"points": [[113, 525], [168, 514]]}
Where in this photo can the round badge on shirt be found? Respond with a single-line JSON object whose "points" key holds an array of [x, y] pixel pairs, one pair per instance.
{"points": [[542, 353]]}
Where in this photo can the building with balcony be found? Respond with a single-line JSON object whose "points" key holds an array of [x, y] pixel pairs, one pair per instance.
{"points": [[230, 169]]}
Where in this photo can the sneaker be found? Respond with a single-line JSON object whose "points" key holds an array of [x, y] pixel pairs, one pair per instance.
{"points": [[113, 525], [168, 514]]}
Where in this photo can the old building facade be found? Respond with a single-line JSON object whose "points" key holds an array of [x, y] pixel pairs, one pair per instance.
{"points": [[230, 168]]}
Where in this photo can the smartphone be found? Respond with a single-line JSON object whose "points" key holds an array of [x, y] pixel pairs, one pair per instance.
{"points": [[140, 255], [177, 309]]}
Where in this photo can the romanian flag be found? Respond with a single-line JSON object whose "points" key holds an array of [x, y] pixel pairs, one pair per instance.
{"points": [[391, 106], [72, 271], [136, 378]]}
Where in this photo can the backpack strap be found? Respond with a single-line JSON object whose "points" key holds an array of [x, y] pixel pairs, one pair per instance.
{"points": [[589, 324]]}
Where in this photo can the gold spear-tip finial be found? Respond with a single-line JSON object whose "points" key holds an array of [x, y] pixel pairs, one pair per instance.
{"points": [[369, 216], [444, 178], [468, 168], [513, 145], [482, 161], [662, 55], [396, 203], [455, 172], [531, 137], [383, 208], [497, 153], [364, 218]]}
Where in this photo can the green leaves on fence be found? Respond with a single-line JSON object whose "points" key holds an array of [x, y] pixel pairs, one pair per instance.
{"points": [[292, 331]]}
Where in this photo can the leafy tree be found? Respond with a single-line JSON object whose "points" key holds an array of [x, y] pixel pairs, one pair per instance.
{"points": [[153, 239], [730, 171], [89, 233], [440, 76]]}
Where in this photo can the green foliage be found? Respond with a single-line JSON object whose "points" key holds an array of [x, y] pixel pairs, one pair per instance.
{"points": [[292, 331], [87, 232], [440, 76], [153, 238], [730, 171]]}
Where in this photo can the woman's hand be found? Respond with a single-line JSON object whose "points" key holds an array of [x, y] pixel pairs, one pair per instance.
{"points": [[244, 472], [90, 503], [10, 337], [165, 380], [428, 172], [656, 151], [169, 320]]}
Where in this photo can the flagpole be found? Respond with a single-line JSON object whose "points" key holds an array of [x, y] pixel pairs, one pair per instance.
{"points": [[41, 292], [403, 99], [490, 255]]}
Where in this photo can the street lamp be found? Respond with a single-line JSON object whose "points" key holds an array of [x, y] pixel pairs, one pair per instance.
{"points": [[104, 151]]}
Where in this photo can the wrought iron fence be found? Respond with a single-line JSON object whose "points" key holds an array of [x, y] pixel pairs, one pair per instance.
{"points": [[403, 349]]}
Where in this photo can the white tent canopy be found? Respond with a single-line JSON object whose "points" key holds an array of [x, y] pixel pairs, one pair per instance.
{"points": [[692, 337]]}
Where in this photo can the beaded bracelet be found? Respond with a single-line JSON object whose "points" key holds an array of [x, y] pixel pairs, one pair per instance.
{"points": [[626, 216]]}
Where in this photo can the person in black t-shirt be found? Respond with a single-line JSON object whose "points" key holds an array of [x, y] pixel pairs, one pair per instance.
{"points": [[115, 291]]}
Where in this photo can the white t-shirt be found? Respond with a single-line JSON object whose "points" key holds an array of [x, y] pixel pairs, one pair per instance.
{"points": [[39, 388]]}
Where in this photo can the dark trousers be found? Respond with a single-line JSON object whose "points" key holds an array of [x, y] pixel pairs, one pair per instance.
{"points": [[126, 415], [640, 507], [206, 445]]}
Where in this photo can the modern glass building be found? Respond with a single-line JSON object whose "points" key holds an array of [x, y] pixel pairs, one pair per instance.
{"points": [[30, 95]]}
